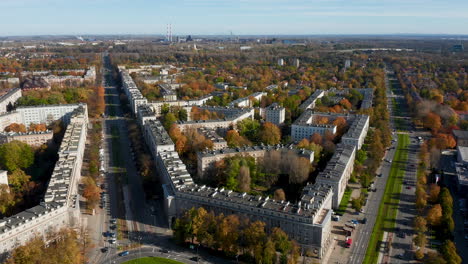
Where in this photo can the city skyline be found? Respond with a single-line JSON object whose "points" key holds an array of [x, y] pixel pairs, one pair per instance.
{"points": [[242, 17]]}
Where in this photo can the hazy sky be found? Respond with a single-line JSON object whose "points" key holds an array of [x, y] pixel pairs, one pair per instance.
{"points": [[36, 17]]}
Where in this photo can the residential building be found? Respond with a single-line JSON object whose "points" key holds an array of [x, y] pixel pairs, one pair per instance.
{"points": [[157, 137], [309, 103], [167, 92], [35, 139], [357, 131], [207, 159], [218, 141], [8, 99], [337, 172], [47, 113], [275, 114], [247, 101], [60, 207], [462, 137]]}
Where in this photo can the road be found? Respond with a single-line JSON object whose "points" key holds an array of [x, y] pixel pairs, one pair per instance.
{"points": [[364, 231], [140, 222]]}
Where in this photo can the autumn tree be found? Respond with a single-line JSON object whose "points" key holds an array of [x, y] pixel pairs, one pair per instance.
{"points": [[270, 134], [37, 127], [62, 247], [91, 192], [279, 195], [420, 224], [432, 121], [6, 199], [244, 179], [15, 127], [434, 191], [316, 138], [235, 140], [434, 215]]}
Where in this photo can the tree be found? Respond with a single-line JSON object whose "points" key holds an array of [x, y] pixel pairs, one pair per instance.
{"points": [[420, 224], [249, 128], [316, 138], [432, 121], [37, 127], [244, 179], [254, 236], [279, 195], [6, 199], [419, 254], [434, 258], [270, 134], [434, 191], [16, 154], [434, 215], [227, 234], [91, 192], [63, 247], [15, 127], [169, 119], [19, 181], [420, 240], [235, 140], [449, 251]]}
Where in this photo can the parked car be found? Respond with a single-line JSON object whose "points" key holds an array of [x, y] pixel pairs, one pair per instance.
{"points": [[104, 249], [164, 250], [364, 220], [124, 253]]}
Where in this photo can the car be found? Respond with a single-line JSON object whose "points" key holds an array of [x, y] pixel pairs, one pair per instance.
{"points": [[399, 256], [379, 175], [355, 222], [164, 250], [112, 241], [112, 235], [408, 187], [195, 259], [401, 235], [104, 249], [364, 220], [113, 227], [113, 221], [336, 218], [124, 253]]}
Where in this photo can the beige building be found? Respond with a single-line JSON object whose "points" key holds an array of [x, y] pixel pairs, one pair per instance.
{"points": [[207, 159], [31, 138]]}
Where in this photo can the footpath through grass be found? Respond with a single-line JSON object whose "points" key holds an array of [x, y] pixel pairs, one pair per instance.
{"points": [[152, 260], [391, 198]]}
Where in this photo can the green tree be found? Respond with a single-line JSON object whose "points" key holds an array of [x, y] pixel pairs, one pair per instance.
{"points": [[169, 119], [16, 155], [249, 128]]}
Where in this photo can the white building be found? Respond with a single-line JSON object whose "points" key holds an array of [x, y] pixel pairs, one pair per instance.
{"points": [[61, 204], [247, 101], [47, 113], [3, 177], [338, 171], [9, 99], [280, 62], [275, 114]]}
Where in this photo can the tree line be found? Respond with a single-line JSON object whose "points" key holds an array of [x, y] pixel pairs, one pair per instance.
{"points": [[234, 235]]}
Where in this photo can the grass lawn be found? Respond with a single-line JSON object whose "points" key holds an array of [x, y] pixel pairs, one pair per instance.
{"points": [[389, 205], [152, 260], [344, 201]]}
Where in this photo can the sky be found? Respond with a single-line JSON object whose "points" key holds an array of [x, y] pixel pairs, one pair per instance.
{"points": [[241, 17]]}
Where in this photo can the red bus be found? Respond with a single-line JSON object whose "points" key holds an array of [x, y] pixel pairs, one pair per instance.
{"points": [[349, 241]]}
